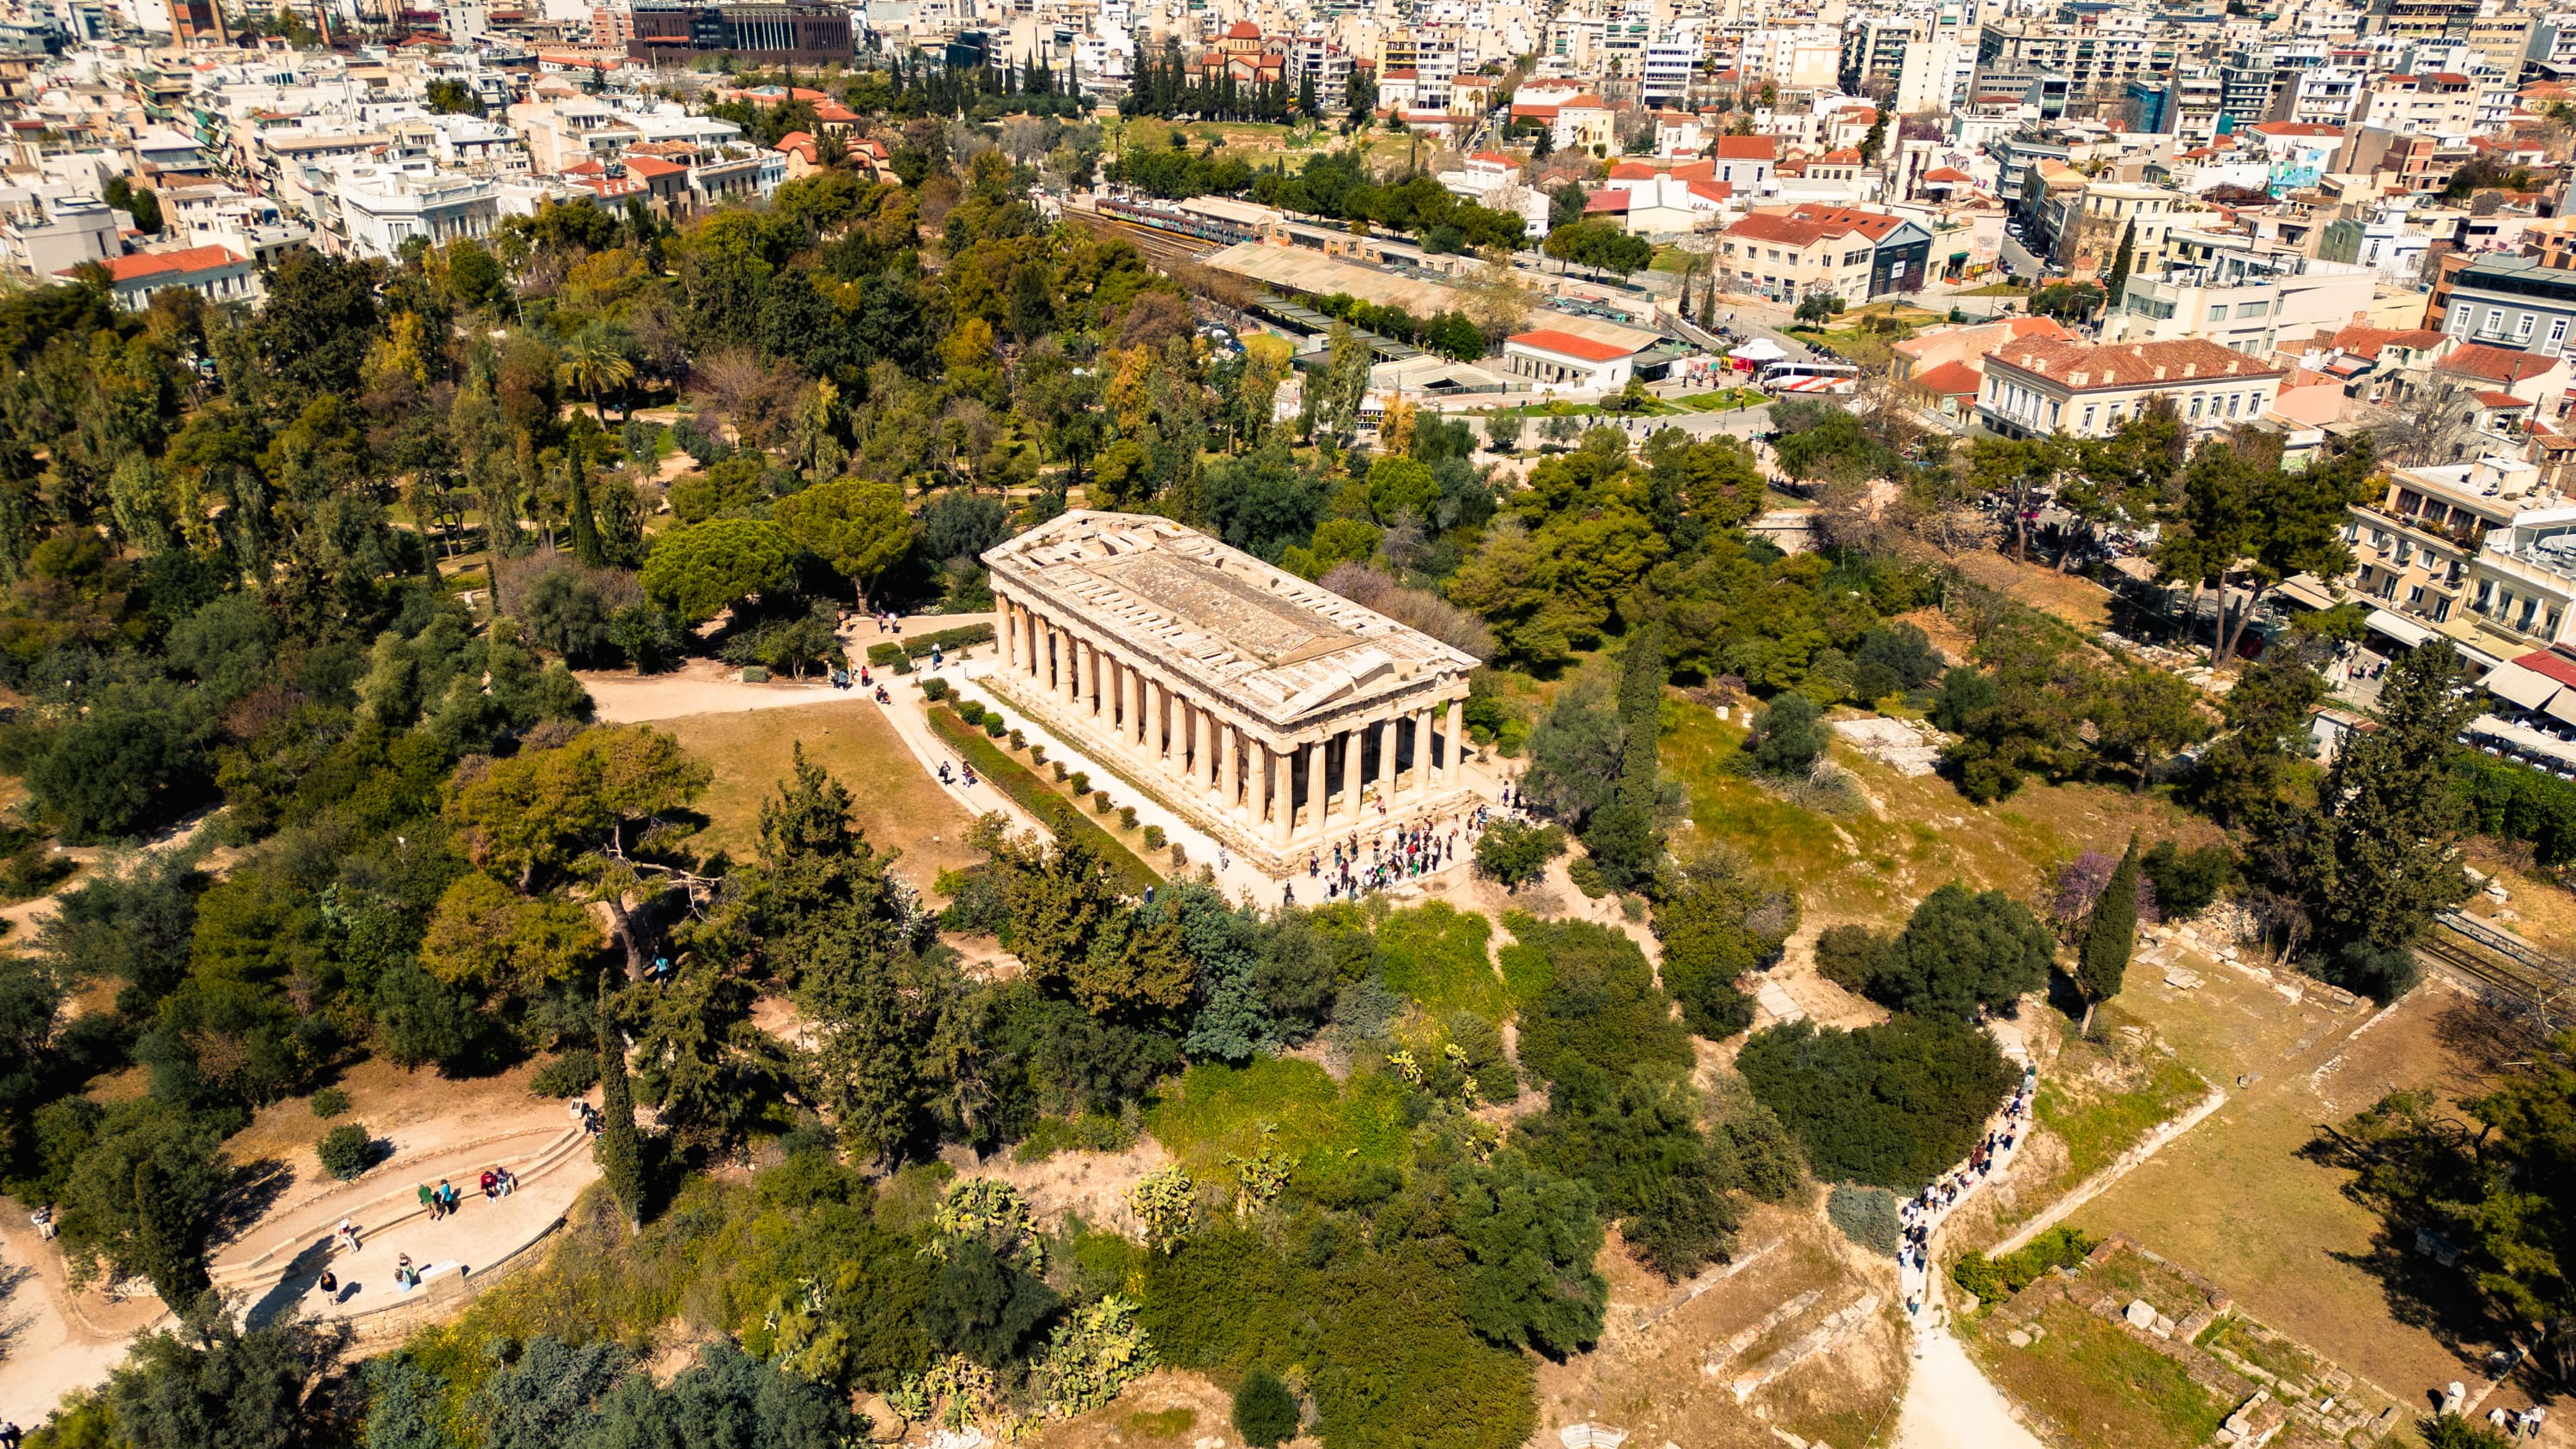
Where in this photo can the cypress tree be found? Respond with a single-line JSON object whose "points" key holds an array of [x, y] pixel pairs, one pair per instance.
{"points": [[1621, 835], [583, 524], [2120, 264], [2109, 936], [620, 1149]]}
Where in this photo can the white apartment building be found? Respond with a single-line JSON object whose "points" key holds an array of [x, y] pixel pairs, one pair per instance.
{"points": [[2243, 301], [382, 207], [45, 237]]}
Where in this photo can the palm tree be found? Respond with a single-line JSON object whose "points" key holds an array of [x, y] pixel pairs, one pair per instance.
{"points": [[595, 359]]}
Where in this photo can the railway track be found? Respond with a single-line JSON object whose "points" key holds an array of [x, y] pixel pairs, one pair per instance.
{"points": [[1158, 246], [2528, 983]]}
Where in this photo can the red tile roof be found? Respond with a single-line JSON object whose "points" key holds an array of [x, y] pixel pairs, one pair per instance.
{"points": [[142, 265], [2369, 341], [1604, 202], [2082, 367], [1243, 30], [1948, 175], [1631, 171], [2500, 401], [1566, 344], [1951, 379], [2496, 364], [1748, 148], [2550, 663]]}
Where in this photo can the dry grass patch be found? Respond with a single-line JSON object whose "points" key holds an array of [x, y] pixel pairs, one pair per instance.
{"points": [[2235, 1199], [2079, 601], [750, 751], [1650, 1380]]}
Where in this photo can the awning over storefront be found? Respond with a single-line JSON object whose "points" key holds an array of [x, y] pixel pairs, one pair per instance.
{"points": [[2521, 686], [2403, 631]]}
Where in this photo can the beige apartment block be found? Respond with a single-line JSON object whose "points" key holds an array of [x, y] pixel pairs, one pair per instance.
{"points": [[1268, 711]]}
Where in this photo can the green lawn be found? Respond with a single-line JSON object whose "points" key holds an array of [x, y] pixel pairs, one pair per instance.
{"points": [[2100, 1387], [1726, 399], [1217, 1111]]}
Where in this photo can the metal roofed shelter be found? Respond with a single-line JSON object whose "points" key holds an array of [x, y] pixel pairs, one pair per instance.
{"points": [[1269, 711]]}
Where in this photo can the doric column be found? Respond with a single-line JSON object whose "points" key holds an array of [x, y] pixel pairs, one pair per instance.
{"points": [[1091, 674], [1229, 783], [1003, 632], [1315, 789], [1139, 721], [1350, 781], [1068, 657], [1457, 742], [1382, 732], [1187, 756], [1420, 724], [1279, 771]]}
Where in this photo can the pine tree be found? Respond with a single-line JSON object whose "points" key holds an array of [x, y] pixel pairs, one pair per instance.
{"points": [[619, 1149], [2109, 936], [2120, 264]]}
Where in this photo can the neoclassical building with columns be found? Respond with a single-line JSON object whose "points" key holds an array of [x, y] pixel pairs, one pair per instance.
{"points": [[1270, 712]]}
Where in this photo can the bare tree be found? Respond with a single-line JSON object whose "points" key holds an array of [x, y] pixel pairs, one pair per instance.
{"points": [[1415, 608], [2434, 425]]}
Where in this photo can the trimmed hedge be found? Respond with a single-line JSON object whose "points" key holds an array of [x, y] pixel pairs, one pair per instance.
{"points": [[2516, 802], [951, 640], [1052, 810]]}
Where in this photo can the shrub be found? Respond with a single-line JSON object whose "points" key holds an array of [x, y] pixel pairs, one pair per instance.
{"points": [[1153, 837], [345, 1151], [1020, 740], [1848, 956], [2456, 1431], [330, 1102], [1100, 802], [1265, 1412], [1585, 872], [1059, 770], [1037, 753], [971, 711], [755, 674], [1995, 1279], [568, 1075], [993, 726], [1788, 739], [1867, 1216], [935, 690], [2187, 881], [1126, 817], [1599, 1004], [1892, 1105], [1081, 782], [1515, 854], [1180, 855], [884, 656]]}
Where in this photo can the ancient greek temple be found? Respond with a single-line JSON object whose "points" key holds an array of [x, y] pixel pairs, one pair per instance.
{"points": [[1270, 712]]}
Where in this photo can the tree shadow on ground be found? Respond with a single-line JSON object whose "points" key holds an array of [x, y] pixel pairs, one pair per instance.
{"points": [[255, 1188], [2482, 1041], [2423, 1293], [13, 1276], [287, 1296]]}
